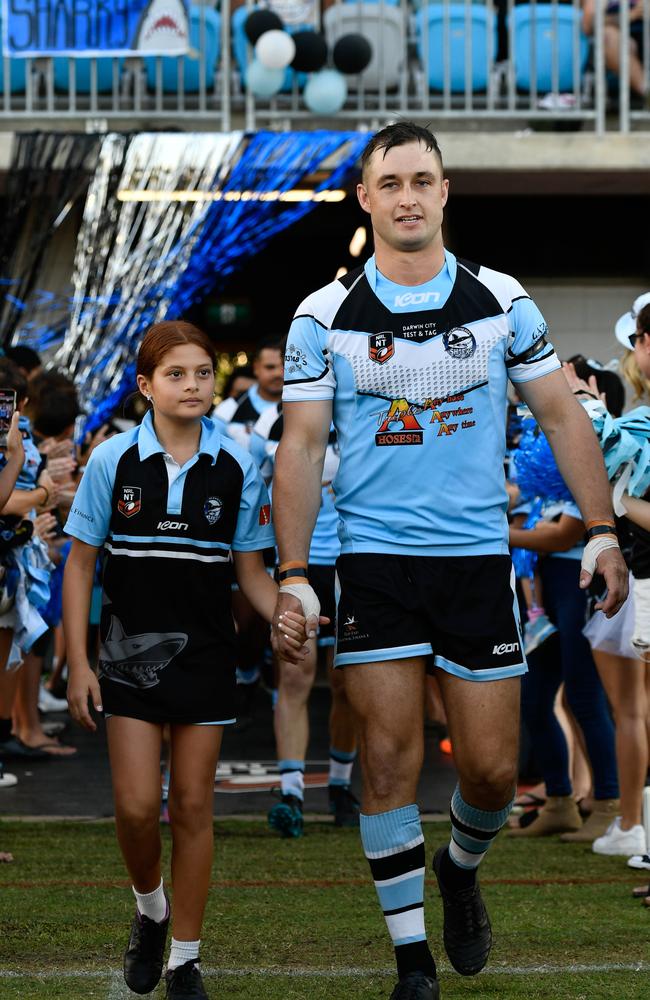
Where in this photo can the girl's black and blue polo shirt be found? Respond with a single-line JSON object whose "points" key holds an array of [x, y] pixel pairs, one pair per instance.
{"points": [[168, 644]]}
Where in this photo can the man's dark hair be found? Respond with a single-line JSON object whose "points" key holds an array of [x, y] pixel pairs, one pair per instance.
{"points": [[11, 377], [55, 412], [268, 344], [25, 357], [244, 370], [400, 134]]}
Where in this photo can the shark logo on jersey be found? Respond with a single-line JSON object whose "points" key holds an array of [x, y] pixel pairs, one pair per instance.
{"points": [[137, 660], [381, 346], [212, 509], [459, 342], [130, 502]]}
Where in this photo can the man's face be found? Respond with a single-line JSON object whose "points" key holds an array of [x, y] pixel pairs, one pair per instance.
{"points": [[268, 369], [405, 194]]}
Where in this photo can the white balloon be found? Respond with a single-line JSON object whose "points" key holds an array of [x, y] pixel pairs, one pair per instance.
{"points": [[325, 92], [262, 81], [275, 49]]}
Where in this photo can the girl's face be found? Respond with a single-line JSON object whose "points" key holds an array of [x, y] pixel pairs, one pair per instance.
{"points": [[182, 385], [642, 352]]}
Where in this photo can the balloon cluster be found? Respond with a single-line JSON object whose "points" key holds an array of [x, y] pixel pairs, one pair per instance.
{"points": [[304, 51]]}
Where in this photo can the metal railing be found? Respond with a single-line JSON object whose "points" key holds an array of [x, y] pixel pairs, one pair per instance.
{"points": [[505, 62]]}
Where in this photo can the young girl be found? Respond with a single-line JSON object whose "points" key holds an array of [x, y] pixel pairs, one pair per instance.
{"points": [[169, 500]]}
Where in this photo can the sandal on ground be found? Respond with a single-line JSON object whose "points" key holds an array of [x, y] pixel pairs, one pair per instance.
{"points": [[641, 891], [54, 748], [527, 799]]}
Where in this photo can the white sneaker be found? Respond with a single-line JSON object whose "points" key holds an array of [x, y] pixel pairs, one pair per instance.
{"points": [[640, 861], [617, 841], [48, 703]]}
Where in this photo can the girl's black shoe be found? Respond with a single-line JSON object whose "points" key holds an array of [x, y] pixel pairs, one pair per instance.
{"points": [[143, 959], [185, 983]]}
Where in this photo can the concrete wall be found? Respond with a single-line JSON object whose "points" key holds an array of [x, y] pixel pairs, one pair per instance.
{"points": [[581, 316]]}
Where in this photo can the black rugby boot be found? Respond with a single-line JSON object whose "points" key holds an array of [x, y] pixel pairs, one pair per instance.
{"points": [[416, 986], [467, 933], [143, 959], [344, 806], [185, 983]]}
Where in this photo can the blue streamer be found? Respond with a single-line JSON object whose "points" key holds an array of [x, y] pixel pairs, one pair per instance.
{"points": [[231, 232]]}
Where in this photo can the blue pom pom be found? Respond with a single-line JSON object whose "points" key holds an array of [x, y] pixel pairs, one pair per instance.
{"points": [[537, 473]]}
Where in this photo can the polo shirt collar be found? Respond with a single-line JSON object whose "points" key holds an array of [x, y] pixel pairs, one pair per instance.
{"points": [[148, 443], [370, 268]]}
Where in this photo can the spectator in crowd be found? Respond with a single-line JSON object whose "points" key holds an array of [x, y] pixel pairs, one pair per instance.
{"points": [[239, 380], [558, 537], [612, 39], [27, 567], [26, 358]]}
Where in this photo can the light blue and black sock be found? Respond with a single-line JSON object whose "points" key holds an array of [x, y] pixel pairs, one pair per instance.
{"points": [[472, 832], [394, 846]]}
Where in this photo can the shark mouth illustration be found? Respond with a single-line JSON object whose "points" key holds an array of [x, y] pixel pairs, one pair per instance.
{"points": [[137, 660], [163, 27]]}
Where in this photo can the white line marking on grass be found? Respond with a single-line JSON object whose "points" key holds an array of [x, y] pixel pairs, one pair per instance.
{"points": [[118, 988]]}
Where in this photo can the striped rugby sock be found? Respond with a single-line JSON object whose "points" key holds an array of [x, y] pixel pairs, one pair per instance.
{"points": [[472, 832], [341, 762], [394, 846], [292, 777]]}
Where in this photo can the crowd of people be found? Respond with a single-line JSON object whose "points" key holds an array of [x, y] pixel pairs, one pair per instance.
{"points": [[381, 591]]}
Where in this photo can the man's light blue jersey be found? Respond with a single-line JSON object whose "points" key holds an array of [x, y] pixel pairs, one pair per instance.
{"points": [[419, 401], [264, 441], [236, 417]]}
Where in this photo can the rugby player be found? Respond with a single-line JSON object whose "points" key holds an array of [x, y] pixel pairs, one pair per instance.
{"points": [[410, 355]]}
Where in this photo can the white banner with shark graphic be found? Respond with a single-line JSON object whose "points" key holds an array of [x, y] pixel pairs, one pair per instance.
{"points": [[95, 27]]}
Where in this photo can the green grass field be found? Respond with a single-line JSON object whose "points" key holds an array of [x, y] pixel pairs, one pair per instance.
{"points": [[290, 920]]}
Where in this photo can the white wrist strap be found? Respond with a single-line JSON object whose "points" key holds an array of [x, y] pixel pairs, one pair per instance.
{"points": [[620, 487], [306, 595], [593, 548]]}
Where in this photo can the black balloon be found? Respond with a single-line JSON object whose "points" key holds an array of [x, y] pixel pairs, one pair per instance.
{"points": [[260, 21], [311, 51], [352, 53]]}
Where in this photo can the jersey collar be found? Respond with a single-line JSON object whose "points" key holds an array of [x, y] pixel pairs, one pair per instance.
{"points": [[148, 443], [370, 267]]}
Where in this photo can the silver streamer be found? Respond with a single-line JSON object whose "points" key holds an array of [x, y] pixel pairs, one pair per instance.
{"points": [[130, 253]]}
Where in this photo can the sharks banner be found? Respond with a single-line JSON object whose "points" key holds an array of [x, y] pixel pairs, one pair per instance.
{"points": [[95, 27]]}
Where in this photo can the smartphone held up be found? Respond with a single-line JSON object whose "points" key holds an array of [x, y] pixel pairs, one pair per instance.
{"points": [[7, 408]]}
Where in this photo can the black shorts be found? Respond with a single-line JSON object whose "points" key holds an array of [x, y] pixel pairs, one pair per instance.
{"points": [[323, 580], [460, 609]]}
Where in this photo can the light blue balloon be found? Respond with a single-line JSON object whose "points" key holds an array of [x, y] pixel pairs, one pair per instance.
{"points": [[262, 81], [326, 92]]}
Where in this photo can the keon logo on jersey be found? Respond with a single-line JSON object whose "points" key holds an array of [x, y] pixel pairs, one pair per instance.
{"points": [[130, 502], [381, 346], [416, 298], [172, 526], [505, 647]]}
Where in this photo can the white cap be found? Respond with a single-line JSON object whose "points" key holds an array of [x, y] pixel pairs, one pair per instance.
{"points": [[626, 324]]}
